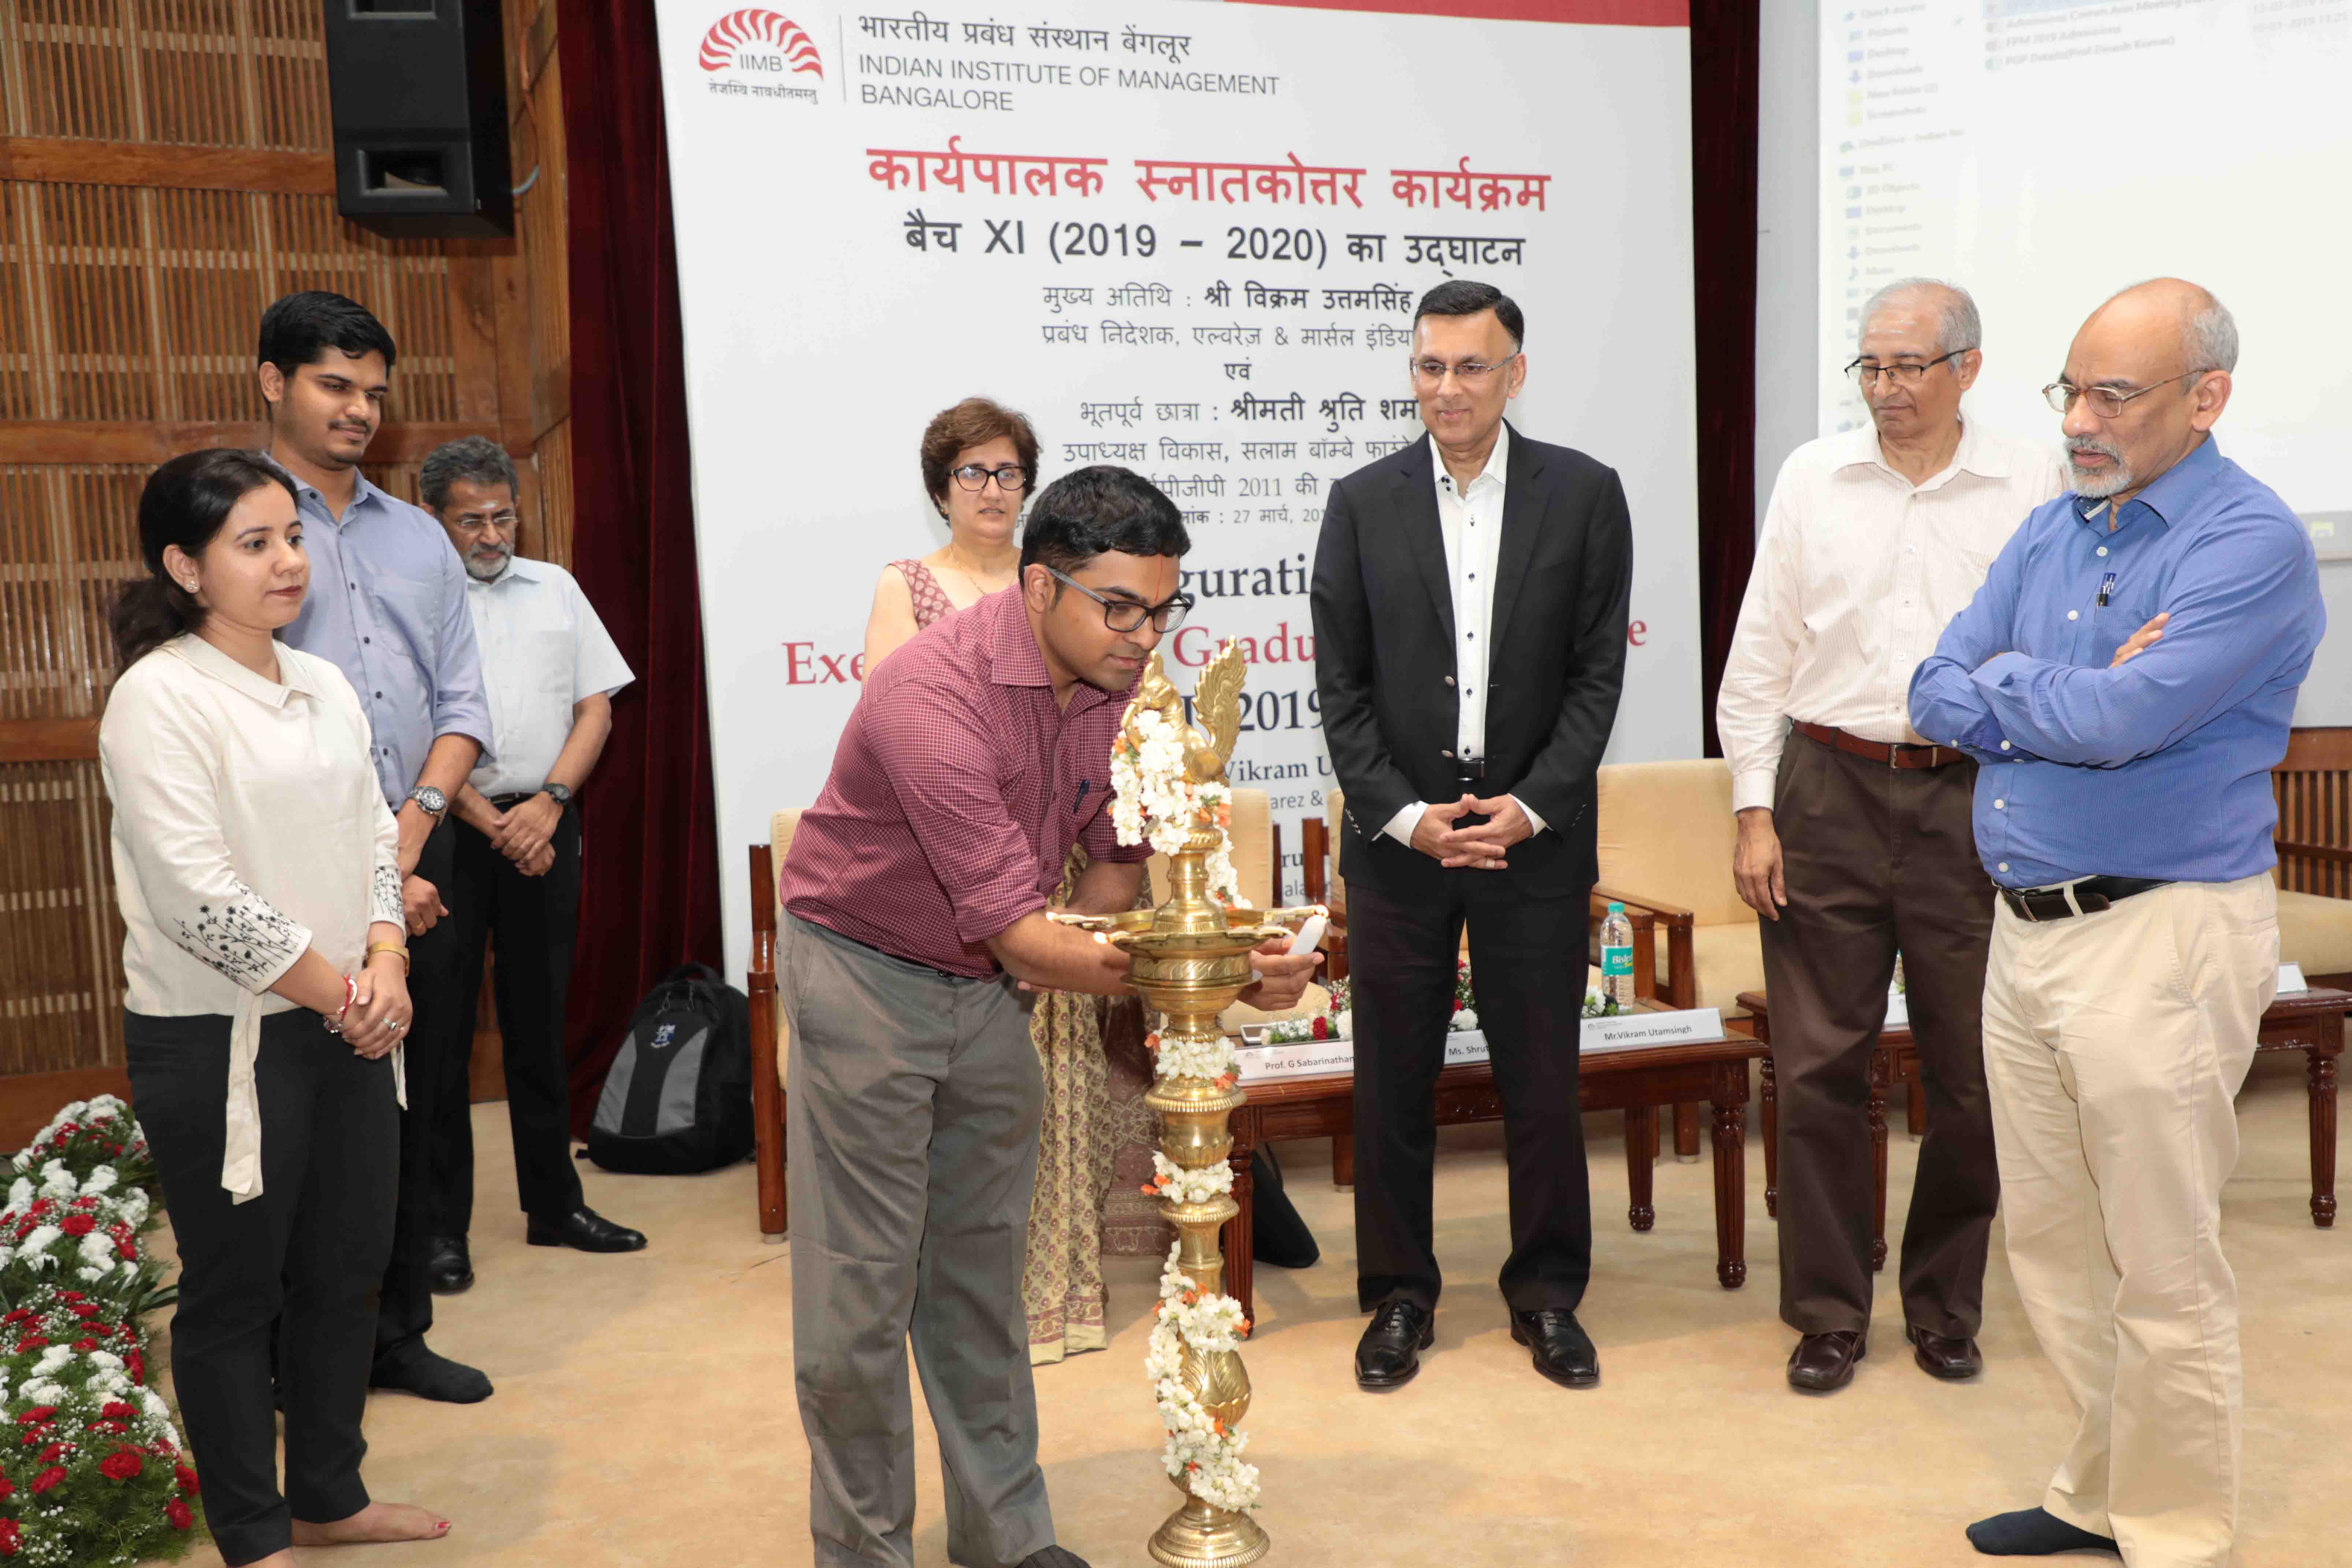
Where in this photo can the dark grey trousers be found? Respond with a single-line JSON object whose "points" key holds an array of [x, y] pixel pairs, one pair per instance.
{"points": [[913, 1103]]}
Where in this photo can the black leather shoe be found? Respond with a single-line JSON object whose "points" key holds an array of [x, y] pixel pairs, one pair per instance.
{"points": [[1823, 1364], [1950, 1360], [585, 1229], [1563, 1351], [1390, 1352], [451, 1269], [1054, 1557]]}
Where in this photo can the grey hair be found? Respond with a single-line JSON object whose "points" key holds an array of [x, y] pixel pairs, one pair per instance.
{"points": [[2212, 338], [477, 458], [1958, 325]]}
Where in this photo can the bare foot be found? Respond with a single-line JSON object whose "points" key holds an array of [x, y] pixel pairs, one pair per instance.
{"points": [[377, 1521]]}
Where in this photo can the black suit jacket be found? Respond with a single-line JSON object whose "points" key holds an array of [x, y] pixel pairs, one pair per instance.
{"points": [[1384, 639]]}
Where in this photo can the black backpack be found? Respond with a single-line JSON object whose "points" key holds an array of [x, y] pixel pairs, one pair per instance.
{"points": [[678, 1098]]}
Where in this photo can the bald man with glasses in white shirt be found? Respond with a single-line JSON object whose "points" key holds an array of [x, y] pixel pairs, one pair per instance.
{"points": [[1855, 835]]}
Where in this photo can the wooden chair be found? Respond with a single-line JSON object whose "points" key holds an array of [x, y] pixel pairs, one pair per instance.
{"points": [[2312, 787], [771, 1041]]}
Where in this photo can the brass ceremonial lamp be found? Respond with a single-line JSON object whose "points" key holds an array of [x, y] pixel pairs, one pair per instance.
{"points": [[1190, 958]]}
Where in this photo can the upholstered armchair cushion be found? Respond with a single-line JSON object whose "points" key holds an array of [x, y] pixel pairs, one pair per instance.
{"points": [[2315, 931], [1667, 833], [1725, 960]]}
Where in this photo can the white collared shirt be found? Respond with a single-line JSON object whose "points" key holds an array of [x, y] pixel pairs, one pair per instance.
{"points": [[1857, 572], [1470, 520], [543, 649], [249, 826]]}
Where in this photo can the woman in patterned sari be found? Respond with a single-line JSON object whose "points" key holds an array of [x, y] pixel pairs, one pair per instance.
{"points": [[979, 462]]}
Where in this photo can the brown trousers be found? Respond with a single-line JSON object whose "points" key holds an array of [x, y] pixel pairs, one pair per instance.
{"points": [[1877, 859]]}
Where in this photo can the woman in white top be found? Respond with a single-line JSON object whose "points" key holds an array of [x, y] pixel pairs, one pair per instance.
{"points": [[257, 872]]}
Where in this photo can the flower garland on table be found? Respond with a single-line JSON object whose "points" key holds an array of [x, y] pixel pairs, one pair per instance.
{"points": [[1201, 1452], [1153, 803], [1338, 1021]]}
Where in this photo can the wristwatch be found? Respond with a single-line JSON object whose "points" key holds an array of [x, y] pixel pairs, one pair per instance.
{"points": [[560, 793], [431, 801]]}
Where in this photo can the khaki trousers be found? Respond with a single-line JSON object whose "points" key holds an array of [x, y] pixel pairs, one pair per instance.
{"points": [[2114, 1045]]}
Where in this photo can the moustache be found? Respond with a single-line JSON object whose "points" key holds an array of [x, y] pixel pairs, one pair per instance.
{"points": [[2078, 445]]}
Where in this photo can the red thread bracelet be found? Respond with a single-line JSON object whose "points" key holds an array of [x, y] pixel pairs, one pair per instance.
{"points": [[350, 994]]}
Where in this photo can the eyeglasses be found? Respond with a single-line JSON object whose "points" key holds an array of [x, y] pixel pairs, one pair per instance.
{"points": [[1470, 373], [1011, 477], [2104, 400], [1126, 615], [505, 521], [1910, 374]]}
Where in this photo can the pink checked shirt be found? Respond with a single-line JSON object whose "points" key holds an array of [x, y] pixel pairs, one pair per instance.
{"points": [[956, 793]]}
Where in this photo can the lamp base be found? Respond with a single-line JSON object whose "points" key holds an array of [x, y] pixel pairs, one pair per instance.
{"points": [[1199, 1536]]}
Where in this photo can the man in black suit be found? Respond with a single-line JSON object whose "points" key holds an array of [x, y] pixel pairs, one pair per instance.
{"points": [[1470, 602]]}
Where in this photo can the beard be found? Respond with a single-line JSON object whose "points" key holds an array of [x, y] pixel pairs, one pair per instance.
{"points": [[485, 571], [2106, 482]]}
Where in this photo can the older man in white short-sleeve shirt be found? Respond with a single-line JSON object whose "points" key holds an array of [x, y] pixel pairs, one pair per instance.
{"points": [[551, 671]]}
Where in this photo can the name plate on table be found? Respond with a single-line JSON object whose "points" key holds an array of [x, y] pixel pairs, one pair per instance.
{"points": [[1316, 1058], [1627, 1032], [1641, 1031], [2291, 979]]}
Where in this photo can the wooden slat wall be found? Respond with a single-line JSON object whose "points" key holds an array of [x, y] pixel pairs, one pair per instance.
{"points": [[165, 172], [2313, 786]]}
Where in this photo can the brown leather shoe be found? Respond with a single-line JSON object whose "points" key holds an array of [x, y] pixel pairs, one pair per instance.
{"points": [[1951, 1360], [1823, 1364]]}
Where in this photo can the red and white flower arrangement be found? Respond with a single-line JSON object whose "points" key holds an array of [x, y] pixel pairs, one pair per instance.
{"points": [[95, 1473], [90, 1133]]}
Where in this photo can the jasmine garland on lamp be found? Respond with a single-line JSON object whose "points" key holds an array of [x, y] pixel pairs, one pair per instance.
{"points": [[256, 862]]}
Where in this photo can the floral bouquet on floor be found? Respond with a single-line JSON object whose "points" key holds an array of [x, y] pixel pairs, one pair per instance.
{"points": [[94, 1473], [81, 1234], [89, 1133]]}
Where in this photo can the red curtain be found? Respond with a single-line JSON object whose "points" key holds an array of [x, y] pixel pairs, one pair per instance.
{"points": [[1723, 61], [650, 893]]}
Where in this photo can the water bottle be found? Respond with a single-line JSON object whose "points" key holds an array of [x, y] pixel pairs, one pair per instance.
{"points": [[1617, 958]]}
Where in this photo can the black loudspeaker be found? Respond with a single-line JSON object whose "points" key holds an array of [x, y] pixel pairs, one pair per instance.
{"points": [[417, 89]]}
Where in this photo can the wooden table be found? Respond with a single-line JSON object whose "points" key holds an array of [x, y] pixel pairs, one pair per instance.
{"points": [[2308, 1021], [1638, 1082]]}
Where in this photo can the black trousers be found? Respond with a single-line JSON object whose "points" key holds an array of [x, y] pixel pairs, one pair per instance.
{"points": [[1528, 957], [532, 919], [440, 1040], [1878, 859], [309, 1251]]}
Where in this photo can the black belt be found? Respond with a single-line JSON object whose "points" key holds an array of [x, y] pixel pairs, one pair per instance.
{"points": [[503, 801], [2089, 896], [1469, 769]]}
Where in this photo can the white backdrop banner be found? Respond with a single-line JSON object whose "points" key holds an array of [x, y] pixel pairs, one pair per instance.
{"points": [[1186, 238]]}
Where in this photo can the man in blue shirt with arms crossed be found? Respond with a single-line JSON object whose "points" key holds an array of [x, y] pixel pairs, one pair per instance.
{"points": [[2126, 678]]}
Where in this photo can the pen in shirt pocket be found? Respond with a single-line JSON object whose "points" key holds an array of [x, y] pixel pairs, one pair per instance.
{"points": [[1080, 804], [2107, 588]]}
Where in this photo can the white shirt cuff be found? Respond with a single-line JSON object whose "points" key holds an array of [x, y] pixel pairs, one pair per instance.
{"points": [[1753, 789], [1408, 817], [1535, 823]]}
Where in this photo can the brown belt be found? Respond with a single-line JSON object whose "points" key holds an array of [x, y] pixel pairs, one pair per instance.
{"points": [[1893, 757]]}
